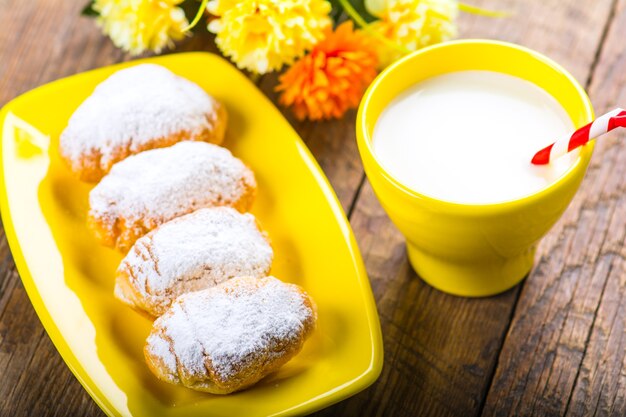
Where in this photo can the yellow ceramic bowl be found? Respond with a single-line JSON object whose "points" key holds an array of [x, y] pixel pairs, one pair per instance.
{"points": [[472, 250]]}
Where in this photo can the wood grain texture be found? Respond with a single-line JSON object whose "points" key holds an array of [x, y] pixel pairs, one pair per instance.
{"points": [[600, 387], [440, 351], [35, 380], [565, 351]]}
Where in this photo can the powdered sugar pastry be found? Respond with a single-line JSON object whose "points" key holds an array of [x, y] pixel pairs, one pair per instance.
{"points": [[150, 188], [228, 337], [135, 109], [190, 253]]}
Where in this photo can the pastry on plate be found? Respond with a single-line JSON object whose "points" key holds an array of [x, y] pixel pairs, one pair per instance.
{"points": [[226, 338], [138, 108], [191, 253], [153, 187]]}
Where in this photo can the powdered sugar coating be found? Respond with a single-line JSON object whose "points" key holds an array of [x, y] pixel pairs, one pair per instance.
{"points": [[190, 253], [130, 112], [152, 187], [230, 336]]}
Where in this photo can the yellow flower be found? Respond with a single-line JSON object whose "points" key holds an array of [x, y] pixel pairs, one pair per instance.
{"points": [[412, 24], [264, 35], [139, 25]]}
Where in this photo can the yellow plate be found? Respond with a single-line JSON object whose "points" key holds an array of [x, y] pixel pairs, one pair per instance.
{"points": [[69, 277]]}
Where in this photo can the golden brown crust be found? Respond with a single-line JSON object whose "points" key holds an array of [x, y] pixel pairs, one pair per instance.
{"points": [[91, 167], [242, 249], [253, 373], [244, 374], [116, 223], [121, 235]]}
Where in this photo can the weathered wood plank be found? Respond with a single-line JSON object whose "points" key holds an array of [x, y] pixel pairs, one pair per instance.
{"points": [[9, 276], [570, 314], [35, 381], [600, 387], [19, 332], [441, 351], [567, 31]]}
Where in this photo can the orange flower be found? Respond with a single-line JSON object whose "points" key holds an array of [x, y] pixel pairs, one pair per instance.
{"points": [[332, 78]]}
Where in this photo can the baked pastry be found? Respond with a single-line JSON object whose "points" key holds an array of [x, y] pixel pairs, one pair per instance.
{"points": [[138, 108], [191, 253], [153, 187], [226, 338]]}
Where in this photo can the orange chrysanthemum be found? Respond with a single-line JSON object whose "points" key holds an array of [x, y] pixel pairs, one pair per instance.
{"points": [[332, 78]]}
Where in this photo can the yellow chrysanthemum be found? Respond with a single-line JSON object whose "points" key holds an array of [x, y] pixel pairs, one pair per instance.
{"points": [[139, 25], [264, 35], [413, 24]]}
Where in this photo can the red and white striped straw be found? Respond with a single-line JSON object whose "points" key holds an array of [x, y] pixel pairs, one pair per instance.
{"points": [[600, 126]]}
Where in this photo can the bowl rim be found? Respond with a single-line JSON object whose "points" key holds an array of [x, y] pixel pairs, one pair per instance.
{"points": [[364, 141]]}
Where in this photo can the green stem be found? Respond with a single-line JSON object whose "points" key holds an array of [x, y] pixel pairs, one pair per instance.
{"points": [[467, 8], [354, 15], [336, 14], [198, 16]]}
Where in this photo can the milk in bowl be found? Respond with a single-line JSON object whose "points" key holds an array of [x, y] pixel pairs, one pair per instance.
{"points": [[468, 137]]}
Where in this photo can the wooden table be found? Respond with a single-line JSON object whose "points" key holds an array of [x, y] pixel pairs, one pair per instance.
{"points": [[554, 345]]}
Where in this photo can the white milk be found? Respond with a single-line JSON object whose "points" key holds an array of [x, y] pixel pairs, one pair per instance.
{"points": [[468, 137]]}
